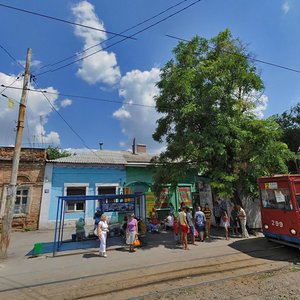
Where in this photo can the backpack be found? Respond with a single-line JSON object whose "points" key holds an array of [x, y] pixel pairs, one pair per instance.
{"points": [[200, 220]]}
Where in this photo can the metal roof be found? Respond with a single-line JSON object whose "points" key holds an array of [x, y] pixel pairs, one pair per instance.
{"points": [[105, 157]]}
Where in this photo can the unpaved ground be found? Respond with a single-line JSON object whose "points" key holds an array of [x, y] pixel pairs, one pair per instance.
{"points": [[216, 269], [280, 284]]}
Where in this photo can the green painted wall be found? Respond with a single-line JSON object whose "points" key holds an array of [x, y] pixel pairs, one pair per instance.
{"points": [[138, 174]]}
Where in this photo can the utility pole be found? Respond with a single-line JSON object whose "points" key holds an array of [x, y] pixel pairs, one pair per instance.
{"points": [[12, 188]]}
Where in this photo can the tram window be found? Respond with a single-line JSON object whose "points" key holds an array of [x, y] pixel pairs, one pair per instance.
{"points": [[276, 199], [298, 200]]}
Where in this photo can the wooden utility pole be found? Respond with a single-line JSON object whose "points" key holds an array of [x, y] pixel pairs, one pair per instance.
{"points": [[12, 188]]}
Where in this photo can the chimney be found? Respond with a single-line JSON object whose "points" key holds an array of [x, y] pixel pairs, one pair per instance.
{"points": [[133, 146], [101, 146], [140, 148]]}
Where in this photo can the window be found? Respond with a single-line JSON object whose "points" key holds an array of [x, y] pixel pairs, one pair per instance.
{"points": [[73, 206], [103, 190], [298, 200], [276, 199], [22, 200]]}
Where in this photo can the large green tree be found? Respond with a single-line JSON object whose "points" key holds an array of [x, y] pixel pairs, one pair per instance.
{"points": [[56, 152], [207, 97], [289, 122]]}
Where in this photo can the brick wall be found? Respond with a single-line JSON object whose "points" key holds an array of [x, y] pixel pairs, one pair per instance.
{"points": [[31, 175]]}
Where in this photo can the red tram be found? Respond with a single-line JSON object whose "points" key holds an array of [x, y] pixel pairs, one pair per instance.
{"points": [[280, 208]]}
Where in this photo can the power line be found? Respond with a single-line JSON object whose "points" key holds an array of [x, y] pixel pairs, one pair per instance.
{"points": [[120, 41], [126, 30], [247, 56], [62, 20], [65, 121], [9, 86], [7, 52], [79, 96]]}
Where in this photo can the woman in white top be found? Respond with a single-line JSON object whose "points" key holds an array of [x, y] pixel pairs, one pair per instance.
{"points": [[102, 230]]}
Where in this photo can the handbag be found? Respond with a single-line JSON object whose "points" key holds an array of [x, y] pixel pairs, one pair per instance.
{"points": [[96, 231], [136, 243], [196, 233]]}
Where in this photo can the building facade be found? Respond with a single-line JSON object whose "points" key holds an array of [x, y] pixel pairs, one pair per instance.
{"points": [[29, 185]]}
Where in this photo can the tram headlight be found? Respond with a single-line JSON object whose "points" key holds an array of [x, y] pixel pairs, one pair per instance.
{"points": [[266, 226], [293, 231]]}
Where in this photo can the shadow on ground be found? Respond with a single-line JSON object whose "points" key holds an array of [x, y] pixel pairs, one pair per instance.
{"points": [[151, 240], [262, 248]]}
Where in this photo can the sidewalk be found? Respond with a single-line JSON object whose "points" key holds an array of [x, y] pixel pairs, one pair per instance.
{"points": [[161, 253]]}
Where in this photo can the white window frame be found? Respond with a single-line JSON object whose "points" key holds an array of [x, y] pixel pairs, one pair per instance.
{"points": [[115, 185], [74, 185], [22, 188]]}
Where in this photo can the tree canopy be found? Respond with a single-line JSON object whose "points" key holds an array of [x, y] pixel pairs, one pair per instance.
{"points": [[208, 94], [289, 122], [56, 152]]}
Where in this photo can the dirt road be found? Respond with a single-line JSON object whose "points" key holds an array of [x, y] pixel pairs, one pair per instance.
{"points": [[224, 274]]}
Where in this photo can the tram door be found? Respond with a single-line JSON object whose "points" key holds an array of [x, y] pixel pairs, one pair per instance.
{"points": [[297, 192]]}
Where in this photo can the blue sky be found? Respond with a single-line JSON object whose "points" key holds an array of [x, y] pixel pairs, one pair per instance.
{"points": [[128, 71]]}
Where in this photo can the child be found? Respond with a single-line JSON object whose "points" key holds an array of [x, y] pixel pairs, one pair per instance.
{"points": [[225, 220], [175, 228]]}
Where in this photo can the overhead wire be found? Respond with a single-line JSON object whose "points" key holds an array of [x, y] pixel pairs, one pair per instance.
{"points": [[245, 55], [120, 41], [61, 20], [9, 86], [108, 39], [11, 56], [81, 97], [60, 115], [64, 120]]}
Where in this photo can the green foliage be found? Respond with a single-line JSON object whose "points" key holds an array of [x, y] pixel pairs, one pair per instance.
{"points": [[207, 100], [289, 122], [56, 152]]}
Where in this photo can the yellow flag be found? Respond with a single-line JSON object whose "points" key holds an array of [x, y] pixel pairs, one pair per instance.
{"points": [[10, 103]]}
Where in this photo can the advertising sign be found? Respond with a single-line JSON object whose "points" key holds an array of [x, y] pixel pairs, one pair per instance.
{"points": [[163, 200], [150, 203], [185, 195]]}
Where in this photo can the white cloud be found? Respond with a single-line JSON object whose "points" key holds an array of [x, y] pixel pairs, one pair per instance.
{"points": [[261, 103], [37, 113], [286, 6], [66, 102], [101, 67], [122, 113], [33, 64], [137, 121]]}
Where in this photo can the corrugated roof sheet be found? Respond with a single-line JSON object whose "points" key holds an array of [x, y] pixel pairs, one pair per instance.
{"points": [[105, 157]]}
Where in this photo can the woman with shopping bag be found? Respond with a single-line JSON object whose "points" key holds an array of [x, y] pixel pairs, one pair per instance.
{"points": [[132, 232]]}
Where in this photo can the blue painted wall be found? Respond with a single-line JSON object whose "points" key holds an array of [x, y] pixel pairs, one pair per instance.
{"points": [[63, 175]]}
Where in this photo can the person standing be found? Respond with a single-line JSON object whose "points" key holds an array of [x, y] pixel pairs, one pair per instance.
{"points": [[97, 217], [184, 228], [243, 220], [102, 230], [200, 222], [207, 213], [234, 220], [223, 206], [225, 220], [175, 229], [217, 213], [190, 222], [131, 232]]}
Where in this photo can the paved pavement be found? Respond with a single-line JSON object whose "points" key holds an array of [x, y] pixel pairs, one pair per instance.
{"points": [[21, 270]]}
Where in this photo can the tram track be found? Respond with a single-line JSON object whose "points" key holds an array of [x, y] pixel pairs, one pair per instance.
{"points": [[162, 277]]}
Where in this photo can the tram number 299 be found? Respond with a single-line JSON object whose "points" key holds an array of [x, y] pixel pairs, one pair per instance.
{"points": [[277, 223]]}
